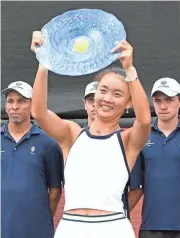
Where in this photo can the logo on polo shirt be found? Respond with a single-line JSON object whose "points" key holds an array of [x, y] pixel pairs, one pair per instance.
{"points": [[149, 143], [32, 151]]}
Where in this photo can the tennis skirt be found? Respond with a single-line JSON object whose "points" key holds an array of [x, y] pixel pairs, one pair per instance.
{"points": [[104, 226]]}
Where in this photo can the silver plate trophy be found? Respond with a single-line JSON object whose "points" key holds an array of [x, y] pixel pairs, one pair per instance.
{"points": [[79, 42]]}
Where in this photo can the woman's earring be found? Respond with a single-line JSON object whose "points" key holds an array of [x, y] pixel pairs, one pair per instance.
{"points": [[127, 111]]}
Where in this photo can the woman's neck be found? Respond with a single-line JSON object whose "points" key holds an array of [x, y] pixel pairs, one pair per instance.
{"points": [[100, 127]]}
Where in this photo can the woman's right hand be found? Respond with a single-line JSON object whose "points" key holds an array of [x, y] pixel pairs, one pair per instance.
{"points": [[37, 40]]}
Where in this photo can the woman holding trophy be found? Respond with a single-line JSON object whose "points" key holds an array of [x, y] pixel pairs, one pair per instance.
{"points": [[98, 159]]}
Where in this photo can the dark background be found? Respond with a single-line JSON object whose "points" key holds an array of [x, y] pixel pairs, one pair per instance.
{"points": [[153, 28]]}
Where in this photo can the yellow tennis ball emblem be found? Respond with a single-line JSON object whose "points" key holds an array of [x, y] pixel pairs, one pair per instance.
{"points": [[81, 45]]}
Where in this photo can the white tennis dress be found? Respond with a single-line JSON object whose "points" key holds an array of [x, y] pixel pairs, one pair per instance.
{"points": [[96, 173]]}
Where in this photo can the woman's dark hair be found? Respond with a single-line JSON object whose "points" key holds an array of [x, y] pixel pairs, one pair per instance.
{"points": [[108, 70]]}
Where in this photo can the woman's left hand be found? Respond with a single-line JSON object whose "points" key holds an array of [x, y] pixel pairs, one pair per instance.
{"points": [[126, 56]]}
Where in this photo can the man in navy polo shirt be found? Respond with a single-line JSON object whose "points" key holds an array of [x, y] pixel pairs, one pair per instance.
{"points": [[160, 158], [31, 170], [135, 182]]}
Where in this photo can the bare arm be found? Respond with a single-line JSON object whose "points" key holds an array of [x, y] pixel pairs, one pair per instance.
{"points": [[54, 126], [54, 197], [134, 197], [141, 128], [135, 138]]}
